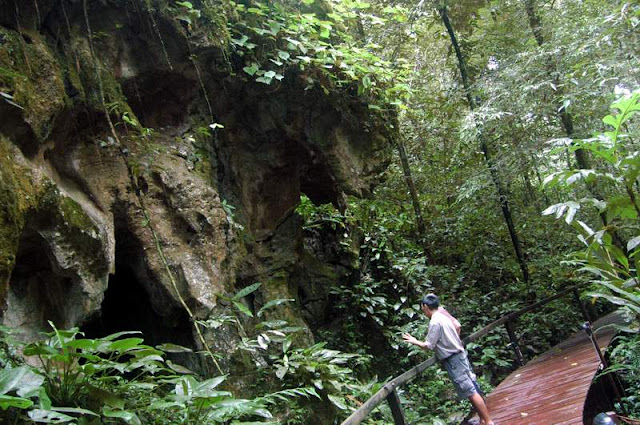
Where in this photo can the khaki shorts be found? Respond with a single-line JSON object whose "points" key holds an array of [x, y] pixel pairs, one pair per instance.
{"points": [[459, 369]]}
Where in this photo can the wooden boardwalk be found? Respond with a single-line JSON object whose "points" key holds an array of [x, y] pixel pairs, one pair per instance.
{"points": [[551, 389]]}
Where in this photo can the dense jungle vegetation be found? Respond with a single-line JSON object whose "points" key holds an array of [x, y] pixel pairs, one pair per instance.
{"points": [[515, 176]]}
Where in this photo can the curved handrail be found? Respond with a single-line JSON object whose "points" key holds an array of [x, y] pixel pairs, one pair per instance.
{"points": [[381, 395]]}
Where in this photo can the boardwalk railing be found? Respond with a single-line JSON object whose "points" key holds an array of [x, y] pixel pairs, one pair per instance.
{"points": [[389, 391]]}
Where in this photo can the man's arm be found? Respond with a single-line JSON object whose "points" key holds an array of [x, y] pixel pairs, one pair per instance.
{"points": [[413, 340], [432, 337], [456, 324]]}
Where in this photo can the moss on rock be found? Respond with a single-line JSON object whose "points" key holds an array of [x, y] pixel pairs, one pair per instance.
{"points": [[18, 194], [74, 215], [31, 74]]}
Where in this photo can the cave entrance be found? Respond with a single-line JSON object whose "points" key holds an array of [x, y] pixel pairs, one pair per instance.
{"points": [[39, 291], [135, 302]]}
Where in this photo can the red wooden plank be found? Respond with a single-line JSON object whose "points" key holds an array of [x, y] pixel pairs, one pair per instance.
{"points": [[551, 389]]}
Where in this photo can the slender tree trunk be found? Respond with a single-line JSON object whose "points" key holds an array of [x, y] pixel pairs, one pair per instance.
{"points": [[565, 117], [408, 177], [495, 177], [529, 193], [539, 177], [582, 159]]}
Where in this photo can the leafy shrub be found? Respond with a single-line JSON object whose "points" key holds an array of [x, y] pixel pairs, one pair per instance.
{"points": [[114, 379], [613, 267], [625, 358]]}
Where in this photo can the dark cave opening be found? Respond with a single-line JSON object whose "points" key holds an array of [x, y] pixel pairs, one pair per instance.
{"points": [[133, 301], [160, 99], [38, 291]]}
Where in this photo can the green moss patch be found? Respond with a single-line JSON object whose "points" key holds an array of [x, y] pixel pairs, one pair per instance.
{"points": [[17, 195], [31, 74], [74, 215]]}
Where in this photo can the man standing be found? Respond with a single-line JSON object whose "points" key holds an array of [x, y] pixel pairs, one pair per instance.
{"points": [[444, 338]]}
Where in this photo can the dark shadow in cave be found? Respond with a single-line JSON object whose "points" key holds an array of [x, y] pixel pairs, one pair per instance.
{"points": [[38, 291], [126, 307], [159, 99], [134, 304]]}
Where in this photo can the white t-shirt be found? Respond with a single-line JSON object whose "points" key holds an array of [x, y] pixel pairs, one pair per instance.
{"points": [[442, 336]]}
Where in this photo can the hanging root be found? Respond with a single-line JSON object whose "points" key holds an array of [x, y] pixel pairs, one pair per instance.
{"points": [[157, 30], [23, 45]]}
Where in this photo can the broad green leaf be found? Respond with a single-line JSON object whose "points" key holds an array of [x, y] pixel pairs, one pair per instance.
{"points": [[119, 334], [281, 371], [128, 417], [125, 344], [173, 348], [83, 344], [633, 243], [7, 402], [243, 308], [77, 410], [240, 41], [40, 349], [274, 28], [49, 416], [286, 344], [366, 82], [272, 304], [284, 55], [251, 70], [610, 120], [178, 368], [21, 379], [249, 289], [338, 401]]}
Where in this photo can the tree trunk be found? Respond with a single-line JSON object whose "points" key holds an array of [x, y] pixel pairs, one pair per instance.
{"points": [[582, 159], [495, 177], [539, 177], [412, 187]]}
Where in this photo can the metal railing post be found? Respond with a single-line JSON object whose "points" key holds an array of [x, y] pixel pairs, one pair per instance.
{"points": [[396, 408], [514, 343], [583, 310], [617, 388]]}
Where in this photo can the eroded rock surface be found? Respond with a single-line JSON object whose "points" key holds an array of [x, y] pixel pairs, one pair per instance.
{"points": [[75, 243]]}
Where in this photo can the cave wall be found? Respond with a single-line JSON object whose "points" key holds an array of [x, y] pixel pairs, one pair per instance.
{"points": [[221, 201]]}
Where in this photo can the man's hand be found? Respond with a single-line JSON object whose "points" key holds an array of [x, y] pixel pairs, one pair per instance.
{"points": [[411, 340]]}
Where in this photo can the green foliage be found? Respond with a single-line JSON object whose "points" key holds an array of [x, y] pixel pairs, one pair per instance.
{"points": [[625, 359], [274, 38], [307, 373], [318, 216], [613, 268], [117, 379], [324, 370]]}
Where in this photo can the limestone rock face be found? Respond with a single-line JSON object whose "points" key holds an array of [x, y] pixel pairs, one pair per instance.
{"points": [[94, 220]]}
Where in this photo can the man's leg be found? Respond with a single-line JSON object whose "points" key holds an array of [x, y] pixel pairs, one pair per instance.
{"points": [[478, 403]]}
